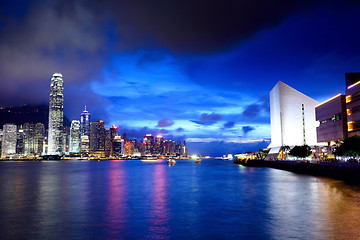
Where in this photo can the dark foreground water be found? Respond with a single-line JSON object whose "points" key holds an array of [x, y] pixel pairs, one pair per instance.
{"points": [[151, 200]]}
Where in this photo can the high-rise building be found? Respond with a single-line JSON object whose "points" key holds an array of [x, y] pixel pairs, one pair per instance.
{"points": [[118, 146], [148, 144], [85, 123], [158, 149], [75, 137], [84, 145], [292, 118], [20, 141], [29, 139], [97, 136], [56, 104], [107, 142], [39, 138], [9, 140]]}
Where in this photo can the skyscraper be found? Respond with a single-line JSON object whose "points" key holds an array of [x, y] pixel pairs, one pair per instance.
{"points": [[9, 140], [56, 104], [97, 136], [75, 137], [85, 123]]}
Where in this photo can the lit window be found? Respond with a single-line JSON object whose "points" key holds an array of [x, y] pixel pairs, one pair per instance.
{"points": [[349, 111], [348, 98], [350, 126]]}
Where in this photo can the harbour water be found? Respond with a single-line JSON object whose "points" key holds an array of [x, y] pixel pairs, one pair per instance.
{"points": [[151, 200]]}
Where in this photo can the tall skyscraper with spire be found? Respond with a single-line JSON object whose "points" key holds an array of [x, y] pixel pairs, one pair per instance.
{"points": [[85, 123], [56, 115]]}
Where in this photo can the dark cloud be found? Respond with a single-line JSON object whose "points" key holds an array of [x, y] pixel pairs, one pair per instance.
{"points": [[258, 109], [139, 133], [193, 26], [165, 122], [208, 119], [179, 129], [229, 124], [36, 41], [247, 129], [148, 58]]}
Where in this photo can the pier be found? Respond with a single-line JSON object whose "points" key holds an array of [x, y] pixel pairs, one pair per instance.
{"points": [[346, 171]]}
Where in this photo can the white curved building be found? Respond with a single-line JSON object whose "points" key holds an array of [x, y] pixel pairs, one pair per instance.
{"points": [[292, 116]]}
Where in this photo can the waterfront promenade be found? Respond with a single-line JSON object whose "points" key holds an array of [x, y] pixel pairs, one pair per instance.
{"points": [[349, 172]]}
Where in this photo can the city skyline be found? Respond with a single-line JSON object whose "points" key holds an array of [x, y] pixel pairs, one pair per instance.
{"points": [[199, 72]]}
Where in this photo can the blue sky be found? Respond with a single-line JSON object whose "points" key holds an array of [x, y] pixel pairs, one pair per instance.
{"points": [[199, 71]]}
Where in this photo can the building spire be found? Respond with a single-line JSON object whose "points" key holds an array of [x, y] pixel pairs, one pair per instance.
{"points": [[85, 108]]}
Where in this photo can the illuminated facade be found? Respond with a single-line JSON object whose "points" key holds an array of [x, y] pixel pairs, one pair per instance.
{"points": [[148, 142], [353, 103], [75, 137], [97, 136], [332, 117], [55, 134], [292, 116], [85, 123], [8, 146]]}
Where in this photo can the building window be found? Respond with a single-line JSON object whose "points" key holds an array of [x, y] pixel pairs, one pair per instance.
{"points": [[348, 98]]}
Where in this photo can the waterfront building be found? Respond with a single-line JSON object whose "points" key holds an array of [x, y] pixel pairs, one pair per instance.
{"points": [[107, 142], [118, 146], [292, 118], [39, 138], [29, 139], [148, 144], [159, 145], [8, 146], [97, 136], [332, 118], [85, 123], [55, 133], [20, 141], [84, 149], [184, 150], [75, 137], [353, 103]]}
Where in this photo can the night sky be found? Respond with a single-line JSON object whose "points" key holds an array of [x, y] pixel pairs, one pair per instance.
{"points": [[198, 70]]}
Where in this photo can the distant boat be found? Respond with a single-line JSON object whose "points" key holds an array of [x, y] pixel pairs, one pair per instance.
{"points": [[198, 160], [171, 162]]}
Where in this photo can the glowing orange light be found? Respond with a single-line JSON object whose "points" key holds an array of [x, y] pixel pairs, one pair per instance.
{"points": [[350, 126], [348, 98], [349, 111]]}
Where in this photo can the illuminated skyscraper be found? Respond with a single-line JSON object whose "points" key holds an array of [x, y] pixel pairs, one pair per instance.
{"points": [[29, 139], [75, 137], [148, 144], [39, 138], [97, 136], [85, 123], [9, 140], [56, 104]]}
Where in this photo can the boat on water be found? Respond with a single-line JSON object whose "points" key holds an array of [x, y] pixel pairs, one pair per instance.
{"points": [[198, 160], [171, 162]]}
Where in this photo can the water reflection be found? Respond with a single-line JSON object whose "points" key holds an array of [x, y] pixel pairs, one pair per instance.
{"points": [[158, 214], [306, 207], [116, 199], [136, 200]]}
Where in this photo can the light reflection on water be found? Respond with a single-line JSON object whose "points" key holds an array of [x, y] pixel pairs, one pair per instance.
{"points": [[137, 200]]}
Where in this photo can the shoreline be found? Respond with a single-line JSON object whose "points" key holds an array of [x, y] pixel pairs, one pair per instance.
{"points": [[348, 172]]}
